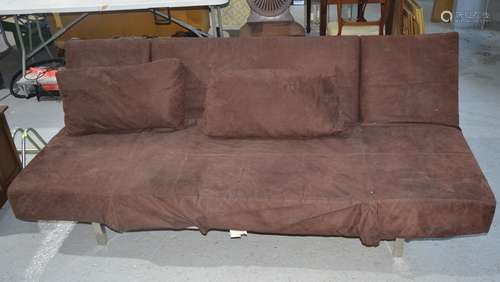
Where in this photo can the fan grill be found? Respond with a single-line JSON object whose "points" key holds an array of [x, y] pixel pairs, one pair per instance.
{"points": [[269, 8]]}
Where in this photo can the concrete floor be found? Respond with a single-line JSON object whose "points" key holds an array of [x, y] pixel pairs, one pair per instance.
{"points": [[64, 251]]}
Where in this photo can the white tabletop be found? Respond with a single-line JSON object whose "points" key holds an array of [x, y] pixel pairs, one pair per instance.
{"points": [[26, 7]]}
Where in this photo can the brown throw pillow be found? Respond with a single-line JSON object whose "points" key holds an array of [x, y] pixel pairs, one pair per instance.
{"points": [[144, 96], [271, 103]]}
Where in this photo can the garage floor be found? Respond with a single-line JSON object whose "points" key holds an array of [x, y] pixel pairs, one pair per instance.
{"points": [[64, 251]]}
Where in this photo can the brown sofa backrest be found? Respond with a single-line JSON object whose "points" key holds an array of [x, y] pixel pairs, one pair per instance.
{"points": [[410, 79], [204, 58], [380, 79], [107, 52]]}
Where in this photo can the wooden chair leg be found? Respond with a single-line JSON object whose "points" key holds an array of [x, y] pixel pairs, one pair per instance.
{"points": [[361, 10], [382, 18], [323, 17], [308, 15], [339, 17]]}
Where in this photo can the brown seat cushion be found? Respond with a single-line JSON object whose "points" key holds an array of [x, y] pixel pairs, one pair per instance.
{"points": [[271, 103], [380, 183], [103, 99]]}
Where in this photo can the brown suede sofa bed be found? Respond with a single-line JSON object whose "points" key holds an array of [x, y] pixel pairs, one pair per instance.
{"points": [[385, 159]]}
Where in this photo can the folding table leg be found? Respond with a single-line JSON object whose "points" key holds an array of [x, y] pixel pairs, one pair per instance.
{"points": [[42, 39], [44, 44], [219, 22], [21, 45], [56, 35], [213, 20], [100, 233]]}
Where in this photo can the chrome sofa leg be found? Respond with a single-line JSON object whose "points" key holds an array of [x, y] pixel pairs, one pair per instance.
{"points": [[100, 233], [397, 249], [237, 233]]}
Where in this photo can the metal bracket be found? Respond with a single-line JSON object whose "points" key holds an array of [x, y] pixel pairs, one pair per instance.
{"points": [[398, 247], [100, 233], [179, 22], [162, 20], [31, 135]]}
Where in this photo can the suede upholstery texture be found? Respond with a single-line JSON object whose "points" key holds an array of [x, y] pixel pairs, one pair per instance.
{"points": [[121, 98], [106, 52], [380, 182], [424, 86], [206, 58], [271, 103], [381, 179]]}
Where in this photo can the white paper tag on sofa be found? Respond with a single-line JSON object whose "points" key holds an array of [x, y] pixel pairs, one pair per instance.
{"points": [[237, 233]]}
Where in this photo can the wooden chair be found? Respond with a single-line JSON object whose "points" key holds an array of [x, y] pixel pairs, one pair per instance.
{"points": [[360, 21]]}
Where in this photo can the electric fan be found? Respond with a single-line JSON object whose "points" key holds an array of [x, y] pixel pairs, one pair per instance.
{"points": [[270, 10]]}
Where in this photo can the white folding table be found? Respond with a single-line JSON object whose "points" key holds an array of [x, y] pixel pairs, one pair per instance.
{"points": [[30, 7]]}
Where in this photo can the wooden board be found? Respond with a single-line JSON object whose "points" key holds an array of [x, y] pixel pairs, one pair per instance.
{"points": [[396, 18], [412, 18], [10, 165]]}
